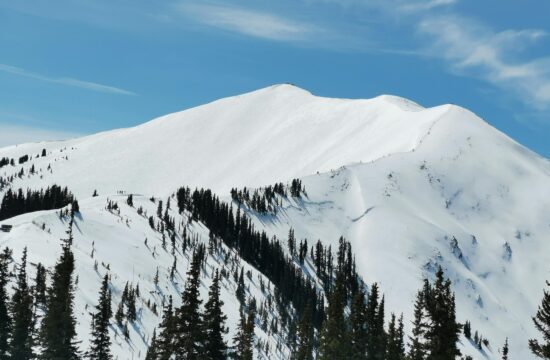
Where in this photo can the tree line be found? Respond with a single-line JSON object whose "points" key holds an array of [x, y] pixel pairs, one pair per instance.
{"points": [[19, 202]]}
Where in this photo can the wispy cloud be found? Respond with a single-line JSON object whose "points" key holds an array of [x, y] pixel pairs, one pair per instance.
{"points": [[469, 47], [391, 6], [474, 49], [423, 5], [16, 134], [249, 22], [65, 81]]}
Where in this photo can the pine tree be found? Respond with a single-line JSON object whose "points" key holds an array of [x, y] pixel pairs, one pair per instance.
{"points": [[443, 331], [467, 330], [334, 335], [505, 350], [22, 315], [542, 324], [395, 347], [376, 337], [358, 321], [304, 346], [119, 315], [244, 339], [5, 319], [190, 337], [382, 336], [291, 243], [417, 349], [131, 313], [165, 342], [240, 292], [58, 326], [152, 350], [214, 323], [40, 285], [100, 348]]}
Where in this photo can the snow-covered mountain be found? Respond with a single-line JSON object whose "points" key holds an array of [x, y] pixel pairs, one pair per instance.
{"points": [[411, 188]]}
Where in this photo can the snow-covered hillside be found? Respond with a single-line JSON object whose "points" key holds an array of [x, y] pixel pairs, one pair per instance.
{"points": [[411, 188], [121, 243], [276, 133]]}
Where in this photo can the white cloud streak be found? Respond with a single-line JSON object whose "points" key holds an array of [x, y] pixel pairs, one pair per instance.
{"points": [[475, 50], [249, 22], [65, 81], [16, 134]]}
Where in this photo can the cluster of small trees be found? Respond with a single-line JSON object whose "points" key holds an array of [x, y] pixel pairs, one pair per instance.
{"points": [[296, 188], [6, 161], [265, 200], [18, 202], [190, 333], [23, 333], [361, 333], [266, 255]]}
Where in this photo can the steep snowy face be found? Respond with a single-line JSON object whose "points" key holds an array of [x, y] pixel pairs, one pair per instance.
{"points": [[121, 243], [468, 199], [269, 135]]}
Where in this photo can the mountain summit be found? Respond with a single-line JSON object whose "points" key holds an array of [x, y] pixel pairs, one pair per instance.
{"points": [[272, 134], [411, 188]]}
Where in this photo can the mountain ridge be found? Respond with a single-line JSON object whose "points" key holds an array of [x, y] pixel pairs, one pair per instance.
{"points": [[411, 188]]}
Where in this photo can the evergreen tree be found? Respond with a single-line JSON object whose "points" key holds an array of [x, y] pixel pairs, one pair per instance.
{"points": [[395, 347], [304, 346], [240, 292], [165, 342], [357, 319], [291, 243], [40, 285], [5, 319], [417, 348], [190, 337], [100, 348], [58, 326], [467, 330], [334, 335], [244, 339], [542, 324], [505, 350], [119, 315], [131, 313], [376, 337], [22, 315], [443, 331], [215, 347], [152, 350]]}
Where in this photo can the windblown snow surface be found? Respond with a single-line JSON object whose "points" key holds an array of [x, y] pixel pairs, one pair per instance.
{"points": [[411, 188]]}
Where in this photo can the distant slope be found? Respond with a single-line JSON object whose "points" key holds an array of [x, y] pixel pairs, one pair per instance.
{"points": [[254, 139]]}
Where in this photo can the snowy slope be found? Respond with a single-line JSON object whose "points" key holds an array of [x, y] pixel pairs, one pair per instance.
{"points": [[115, 240], [250, 140], [404, 212], [397, 180]]}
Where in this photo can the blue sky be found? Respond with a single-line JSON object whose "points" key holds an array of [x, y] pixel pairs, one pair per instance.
{"points": [[72, 67]]}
